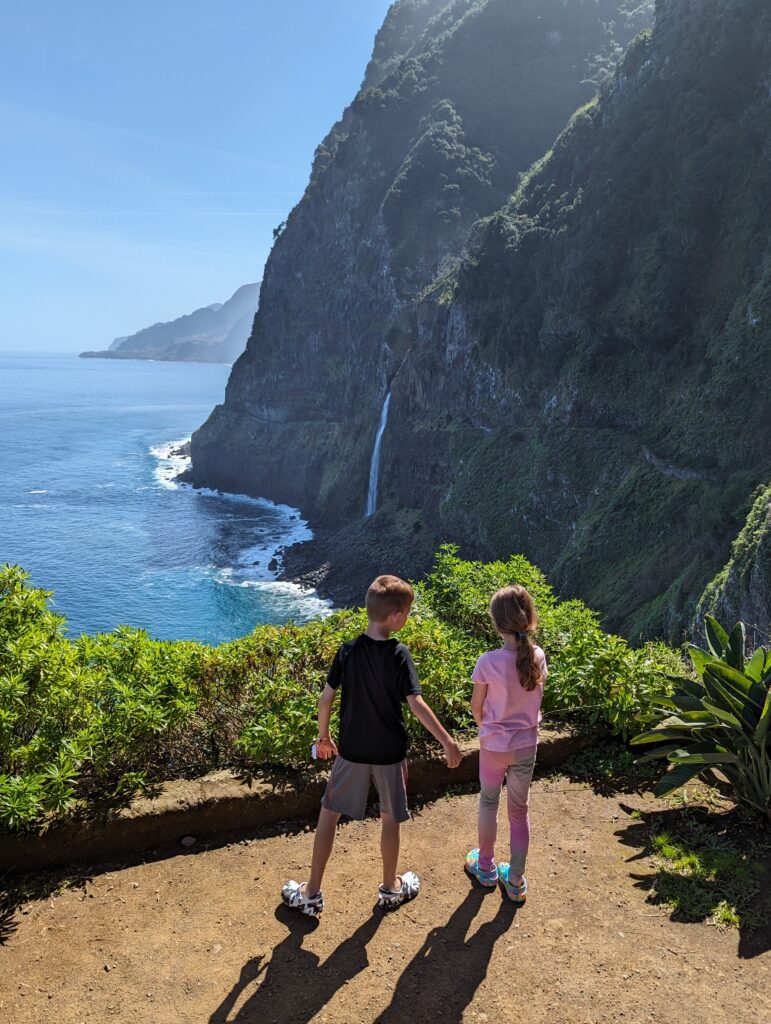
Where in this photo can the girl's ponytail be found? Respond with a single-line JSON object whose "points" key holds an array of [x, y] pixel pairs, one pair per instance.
{"points": [[512, 611], [528, 668]]}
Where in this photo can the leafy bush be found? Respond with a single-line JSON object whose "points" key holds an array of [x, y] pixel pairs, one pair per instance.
{"points": [[721, 719], [85, 723], [590, 672]]}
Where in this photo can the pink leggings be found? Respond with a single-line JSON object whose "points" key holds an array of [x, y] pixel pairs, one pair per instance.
{"points": [[516, 767]]}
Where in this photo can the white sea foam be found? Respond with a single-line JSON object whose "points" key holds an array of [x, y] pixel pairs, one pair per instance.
{"points": [[37, 492], [286, 600], [170, 465], [280, 527]]}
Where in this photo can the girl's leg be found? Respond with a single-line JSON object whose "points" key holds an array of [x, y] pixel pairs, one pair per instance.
{"points": [[518, 778], [492, 770]]}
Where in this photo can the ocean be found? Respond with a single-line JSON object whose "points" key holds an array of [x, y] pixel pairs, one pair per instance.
{"points": [[89, 506]]}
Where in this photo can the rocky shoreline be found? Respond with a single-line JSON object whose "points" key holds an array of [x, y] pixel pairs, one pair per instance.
{"points": [[340, 564]]}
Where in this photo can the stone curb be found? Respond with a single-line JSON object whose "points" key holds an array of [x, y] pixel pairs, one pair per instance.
{"points": [[219, 803]]}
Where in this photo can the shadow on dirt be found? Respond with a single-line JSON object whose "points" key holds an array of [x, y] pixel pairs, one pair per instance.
{"points": [[294, 985], [609, 768], [17, 890], [706, 865]]}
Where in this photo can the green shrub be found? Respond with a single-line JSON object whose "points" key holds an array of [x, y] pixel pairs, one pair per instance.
{"points": [[87, 722], [721, 719], [591, 673]]}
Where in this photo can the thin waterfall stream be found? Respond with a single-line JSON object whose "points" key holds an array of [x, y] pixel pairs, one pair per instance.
{"points": [[374, 467]]}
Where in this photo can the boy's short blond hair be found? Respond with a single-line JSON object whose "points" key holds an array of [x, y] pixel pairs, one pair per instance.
{"points": [[386, 595]]}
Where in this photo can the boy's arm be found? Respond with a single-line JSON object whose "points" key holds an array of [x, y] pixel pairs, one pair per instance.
{"points": [[325, 745], [478, 695], [429, 721]]}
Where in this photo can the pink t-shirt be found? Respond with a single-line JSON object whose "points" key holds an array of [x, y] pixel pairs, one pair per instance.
{"points": [[510, 714]]}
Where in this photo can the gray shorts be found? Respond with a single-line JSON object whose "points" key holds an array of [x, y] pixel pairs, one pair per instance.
{"points": [[348, 788]]}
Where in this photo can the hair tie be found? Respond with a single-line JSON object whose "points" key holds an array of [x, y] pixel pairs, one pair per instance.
{"points": [[521, 637]]}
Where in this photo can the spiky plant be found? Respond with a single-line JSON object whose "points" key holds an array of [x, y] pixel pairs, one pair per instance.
{"points": [[718, 720]]}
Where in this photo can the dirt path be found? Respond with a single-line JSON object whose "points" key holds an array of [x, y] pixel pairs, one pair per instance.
{"points": [[200, 938]]}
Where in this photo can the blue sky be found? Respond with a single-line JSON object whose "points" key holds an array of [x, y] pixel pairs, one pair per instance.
{"points": [[149, 149]]}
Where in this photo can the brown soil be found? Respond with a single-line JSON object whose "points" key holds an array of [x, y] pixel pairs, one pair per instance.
{"points": [[200, 938]]}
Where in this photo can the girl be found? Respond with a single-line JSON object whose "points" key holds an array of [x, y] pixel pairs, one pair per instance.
{"points": [[506, 704]]}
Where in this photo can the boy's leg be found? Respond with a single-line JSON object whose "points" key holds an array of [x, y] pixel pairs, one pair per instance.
{"points": [[323, 842], [518, 779], [391, 783], [389, 848], [492, 770]]}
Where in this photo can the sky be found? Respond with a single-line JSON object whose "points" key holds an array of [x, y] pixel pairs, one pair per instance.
{"points": [[150, 148]]}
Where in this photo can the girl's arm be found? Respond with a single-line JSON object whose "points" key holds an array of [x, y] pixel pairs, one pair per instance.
{"points": [[477, 701], [325, 745]]}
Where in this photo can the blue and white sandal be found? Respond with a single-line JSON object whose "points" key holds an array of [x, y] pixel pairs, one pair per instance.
{"points": [[487, 878], [293, 894], [409, 887], [517, 893]]}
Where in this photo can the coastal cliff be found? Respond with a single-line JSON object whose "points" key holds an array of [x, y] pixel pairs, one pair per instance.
{"points": [[572, 346], [458, 98], [212, 334]]}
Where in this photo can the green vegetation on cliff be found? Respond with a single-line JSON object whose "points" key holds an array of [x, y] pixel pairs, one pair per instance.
{"points": [[85, 723], [742, 589]]}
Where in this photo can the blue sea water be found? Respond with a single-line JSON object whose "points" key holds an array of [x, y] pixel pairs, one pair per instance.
{"points": [[89, 506]]}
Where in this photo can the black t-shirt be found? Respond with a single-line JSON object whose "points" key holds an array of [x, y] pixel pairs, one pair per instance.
{"points": [[376, 677]]}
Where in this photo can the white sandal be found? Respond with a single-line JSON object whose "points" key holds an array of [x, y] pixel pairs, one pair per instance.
{"points": [[390, 899], [293, 894]]}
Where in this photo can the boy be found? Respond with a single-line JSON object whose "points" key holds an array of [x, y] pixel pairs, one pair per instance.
{"points": [[376, 675]]}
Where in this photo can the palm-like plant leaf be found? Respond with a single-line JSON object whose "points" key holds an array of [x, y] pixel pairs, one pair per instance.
{"points": [[759, 665], [725, 716], [724, 721], [761, 732], [699, 658], [735, 648], [703, 753], [654, 755], [658, 736], [676, 777], [717, 638]]}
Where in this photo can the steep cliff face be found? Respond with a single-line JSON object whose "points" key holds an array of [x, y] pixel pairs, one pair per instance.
{"points": [[459, 97], [607, 337], [579, 380]]}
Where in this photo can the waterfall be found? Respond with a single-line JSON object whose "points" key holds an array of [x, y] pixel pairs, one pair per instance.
{"points": [[374, 468]]}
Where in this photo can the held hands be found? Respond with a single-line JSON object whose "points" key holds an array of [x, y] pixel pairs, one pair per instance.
{"points": [[325, 748], [452, 753]]}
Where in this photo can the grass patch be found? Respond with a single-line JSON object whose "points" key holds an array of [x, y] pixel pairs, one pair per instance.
{"points": [[706, 874]]}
